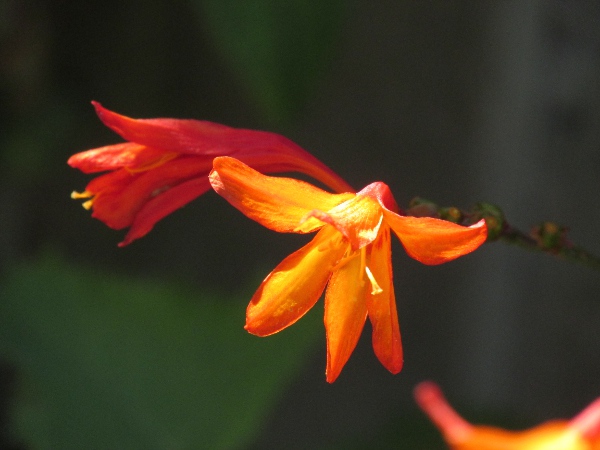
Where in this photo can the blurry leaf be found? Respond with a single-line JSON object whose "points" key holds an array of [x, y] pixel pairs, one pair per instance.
{"points": [[107, 362], [278, 48]]}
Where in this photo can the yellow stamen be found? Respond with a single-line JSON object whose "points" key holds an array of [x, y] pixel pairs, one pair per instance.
{"points": [[84, 194], [363, 264], [345, 259], [375, 288]]}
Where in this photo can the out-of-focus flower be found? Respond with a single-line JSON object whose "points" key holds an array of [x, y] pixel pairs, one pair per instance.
{"points": [[580, 433], [165, 164], [351, 253]]}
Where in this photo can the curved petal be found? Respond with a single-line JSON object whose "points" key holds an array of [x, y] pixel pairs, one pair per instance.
{"points": [[111, 157], [345, 314], [358, 219], [434, 241], [276, 203], [196, 137], [120, 195], [381, 305], [200, 137], [164, 204], [295, 285]]}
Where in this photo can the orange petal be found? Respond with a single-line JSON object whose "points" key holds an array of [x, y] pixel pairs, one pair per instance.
{"points": [[295, 285], [382, 305], [358, 219], [345, 314], [434, 241], [276, 203]]}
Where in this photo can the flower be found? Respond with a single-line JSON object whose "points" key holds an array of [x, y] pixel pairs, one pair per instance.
{"points": [[166, 162], [351, 254], [580, 433]]}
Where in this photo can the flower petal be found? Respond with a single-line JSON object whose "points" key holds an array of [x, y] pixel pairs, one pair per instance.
{"points": [[295, 285], [164, 204], [358, 219], [434, 241], [345, 313], [382, 305], [120, 195], [276, 203], [200, 137], [130, 155], [196, 137]]}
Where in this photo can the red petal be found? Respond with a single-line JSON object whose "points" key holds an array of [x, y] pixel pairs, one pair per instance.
{"points": [[121, 195], [345, 314], [434, 241], [197, 137], [111, 157], [295, 285], [164, 204], [382, 305]]}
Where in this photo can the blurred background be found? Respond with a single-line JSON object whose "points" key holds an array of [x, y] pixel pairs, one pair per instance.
{"points": [[144, 347]]}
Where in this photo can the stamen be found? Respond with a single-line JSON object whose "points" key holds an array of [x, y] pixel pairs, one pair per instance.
{"points": [[345, 259], [363, 264], [84, 194], [375, 288]]}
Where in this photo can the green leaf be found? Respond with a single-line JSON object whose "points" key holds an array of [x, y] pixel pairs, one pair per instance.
{"points": [[278, 49], [108, 362]]}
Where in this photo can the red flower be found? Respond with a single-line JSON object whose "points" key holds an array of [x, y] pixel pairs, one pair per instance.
{"points": [[165, 163], [350, 254], [580, 433]]}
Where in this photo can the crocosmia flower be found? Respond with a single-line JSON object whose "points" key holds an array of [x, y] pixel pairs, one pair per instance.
{"points": [[350, 254], [580, 433], [165, 164]]}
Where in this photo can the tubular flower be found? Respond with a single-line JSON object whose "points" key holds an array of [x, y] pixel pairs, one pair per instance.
{"points": [[165, 164], [350, 254], [580, 433]]}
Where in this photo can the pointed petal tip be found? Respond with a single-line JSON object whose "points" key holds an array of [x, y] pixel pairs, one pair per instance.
{"points": [[395, 367]]}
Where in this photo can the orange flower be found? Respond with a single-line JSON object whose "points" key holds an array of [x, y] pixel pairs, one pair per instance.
{"points": [[166, 162], [351, 253], [580, 433]]}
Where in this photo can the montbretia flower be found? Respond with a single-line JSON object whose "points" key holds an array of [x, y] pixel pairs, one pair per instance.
{"points": [[580, 433], [351, 254], [165, 165]]}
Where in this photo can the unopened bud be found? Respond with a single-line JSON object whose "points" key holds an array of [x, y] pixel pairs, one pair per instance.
{"points": [[420, 207], [549, 235], [494, 219], [451, 214]]}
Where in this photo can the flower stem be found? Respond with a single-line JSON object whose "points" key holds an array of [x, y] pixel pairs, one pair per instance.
{"points": [[546, 237]]}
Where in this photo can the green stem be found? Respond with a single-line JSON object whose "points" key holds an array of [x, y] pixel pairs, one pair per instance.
{"points": [[566, 251], [546, 237]]}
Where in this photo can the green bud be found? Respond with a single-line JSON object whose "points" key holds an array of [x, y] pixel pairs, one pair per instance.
{"points": [[549, 235], [494, 219], [451, 214], [420, 207]]}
